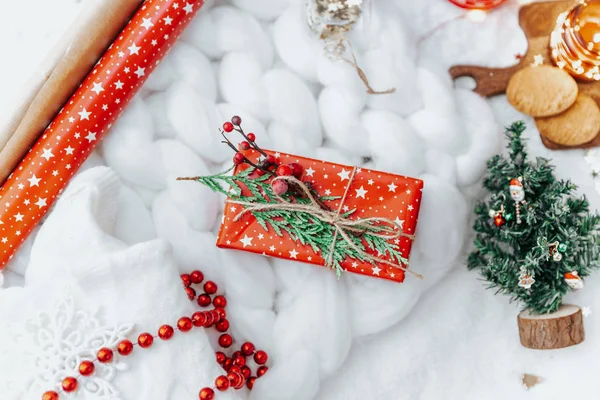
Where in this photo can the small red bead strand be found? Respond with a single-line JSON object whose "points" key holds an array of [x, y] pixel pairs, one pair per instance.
{"points": [[237, 373]]}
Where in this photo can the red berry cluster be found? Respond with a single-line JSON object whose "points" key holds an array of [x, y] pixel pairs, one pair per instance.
{"points": [[238, 372], [268, 164]]}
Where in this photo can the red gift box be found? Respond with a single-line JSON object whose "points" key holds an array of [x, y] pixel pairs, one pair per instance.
{"points": [[371, 193]]}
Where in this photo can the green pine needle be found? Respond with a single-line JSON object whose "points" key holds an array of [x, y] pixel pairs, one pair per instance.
{"points": [[552, 212]]}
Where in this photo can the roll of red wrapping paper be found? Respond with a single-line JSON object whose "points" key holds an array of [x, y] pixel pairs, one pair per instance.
{"points": [[35, 184]]}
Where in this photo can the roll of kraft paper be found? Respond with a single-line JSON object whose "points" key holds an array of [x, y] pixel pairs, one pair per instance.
{"points": [[59, 75], [36, 182]]}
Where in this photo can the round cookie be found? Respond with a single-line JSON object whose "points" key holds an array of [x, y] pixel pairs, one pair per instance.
{"points": [[578, 125], [542, 91]]}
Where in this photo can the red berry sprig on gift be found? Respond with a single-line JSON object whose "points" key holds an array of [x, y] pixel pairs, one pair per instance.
{"points": [[268, 164], [237, 371]]}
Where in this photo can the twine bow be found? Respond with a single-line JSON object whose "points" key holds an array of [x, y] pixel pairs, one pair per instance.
{"points": [[380, 227]]}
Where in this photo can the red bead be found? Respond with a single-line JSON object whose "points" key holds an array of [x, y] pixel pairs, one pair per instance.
{"points": [[225, 340], [198, 318], [235, 368], [244, 145], [216, 316], [185, 278], [125, 348], [51, 395], [238, 158], [262, 370], [185, 324], [223, 325], [86, 368], [246, 371], [220, 301], [240, 361], [145, 340], [222, 313], [203, 300], [221, 357], [207, 394], [270, 159], [166, 332], [248, 349], [227, 364], [297, 170], [105, 355], [251, 137], [261, 357], [191, 293], [228, 127], [250, 382], [236, 120], [236, 353], [236, 379], [69, 384], [210, 287], [196, 276], [222, 383], [210, 319], [284, 170]]}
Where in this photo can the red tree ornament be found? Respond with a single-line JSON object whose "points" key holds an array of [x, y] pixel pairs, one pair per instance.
{"points": [[477, 4]]}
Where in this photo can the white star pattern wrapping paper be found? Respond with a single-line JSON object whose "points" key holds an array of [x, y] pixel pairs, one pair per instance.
{"points": [[87, 116], [327, 339]]}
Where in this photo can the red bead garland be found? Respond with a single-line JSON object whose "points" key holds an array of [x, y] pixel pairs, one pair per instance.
{"points": [[238, 373]]}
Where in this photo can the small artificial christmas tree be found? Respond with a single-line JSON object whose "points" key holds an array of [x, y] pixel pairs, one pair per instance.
{"points": [[535, 240]]}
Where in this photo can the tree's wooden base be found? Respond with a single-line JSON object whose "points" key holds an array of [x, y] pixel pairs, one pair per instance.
{"points": [[562, 328]]}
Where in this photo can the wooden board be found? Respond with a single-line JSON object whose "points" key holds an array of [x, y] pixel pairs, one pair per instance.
{"points": [[557, 330], [537, 20]]}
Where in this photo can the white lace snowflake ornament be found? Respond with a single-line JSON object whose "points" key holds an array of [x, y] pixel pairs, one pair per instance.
{"points": [[51, 346]]}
